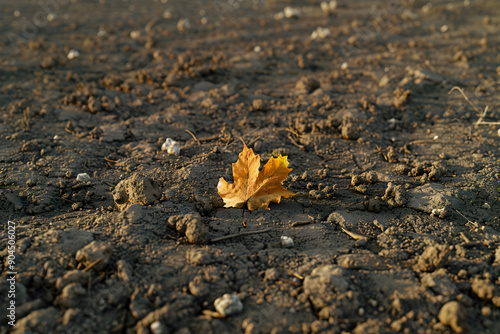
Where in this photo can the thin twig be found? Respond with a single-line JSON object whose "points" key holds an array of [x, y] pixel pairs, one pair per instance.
{"points": [[192, 135], [242, 217], [463, 216], [92, 264], [230, 236], [241, 138], [301, 223], [465, 97], [294, 142], [294, 132], [355, 236]]}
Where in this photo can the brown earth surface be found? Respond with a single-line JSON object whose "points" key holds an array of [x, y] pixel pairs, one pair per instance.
{"points": [[395, 225]]}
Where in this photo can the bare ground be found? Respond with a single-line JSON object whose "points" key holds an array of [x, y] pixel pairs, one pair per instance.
{"points": [[396, 226]]}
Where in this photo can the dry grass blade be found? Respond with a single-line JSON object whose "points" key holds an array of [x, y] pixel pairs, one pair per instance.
{"points": [[482, 114]]}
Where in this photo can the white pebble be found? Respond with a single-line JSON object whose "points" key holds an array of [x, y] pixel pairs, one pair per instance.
{"points": [[171, 146], [444, 28], [344, 66], [183, 25], [135, 34], [361, 311], [228, 304], [286, 242], [328, 7], [321, 32], [83, 177], [51, 17], [158, 328], [72, 54], [101, 33], [291, 12], [257, 48], [17, 13]]}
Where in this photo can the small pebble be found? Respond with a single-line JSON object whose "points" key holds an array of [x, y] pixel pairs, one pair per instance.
{"points": [[135, 34], [228, 305], [72, 54], [183, 25], [171, 146], [321, 33], [328, 7], [83, 177], [286, 242], [158, 328], [291, 13]]}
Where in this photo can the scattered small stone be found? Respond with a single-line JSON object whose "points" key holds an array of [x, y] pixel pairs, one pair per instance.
{"points": [[183, 25], [83, 177], [171, 146], [135, 34], [321, 33], [73, 54], [158, 327], [228, 305], [453, 314], [286, 242], [328, 7], [96, 250], [441, 213], [291, 13]]}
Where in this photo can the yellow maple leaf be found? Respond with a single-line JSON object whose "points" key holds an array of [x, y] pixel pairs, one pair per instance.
{"points": [[253, 187]]}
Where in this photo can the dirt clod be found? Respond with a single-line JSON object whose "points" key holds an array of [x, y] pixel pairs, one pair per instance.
{"points": [[453, 314], [136, 190], [434, 256], [93, 252]]}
